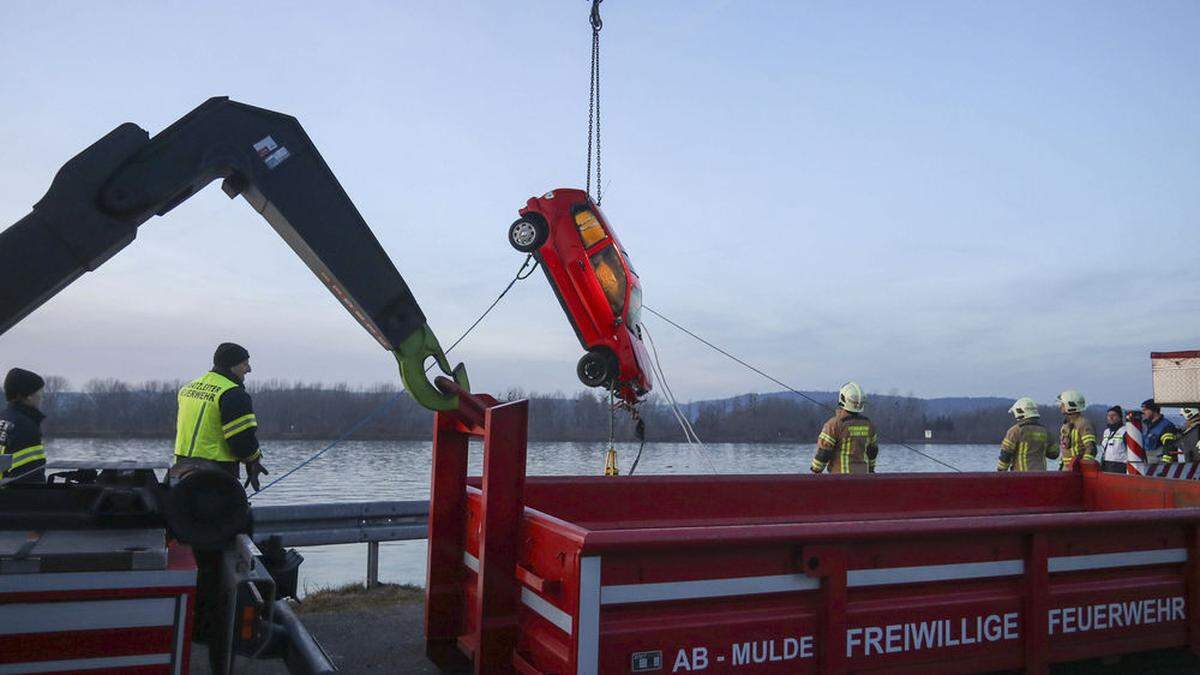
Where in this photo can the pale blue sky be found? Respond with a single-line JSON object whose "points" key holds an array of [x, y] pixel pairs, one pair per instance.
{"points": [[948, 198]]}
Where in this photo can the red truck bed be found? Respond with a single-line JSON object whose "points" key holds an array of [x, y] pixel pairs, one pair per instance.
{"points": [[772, 574]]}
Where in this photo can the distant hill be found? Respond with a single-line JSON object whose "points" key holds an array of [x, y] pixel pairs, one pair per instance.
{"points": [[933, 407]]}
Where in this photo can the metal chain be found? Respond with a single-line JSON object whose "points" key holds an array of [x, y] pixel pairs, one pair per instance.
{"points": [[594, 103]]}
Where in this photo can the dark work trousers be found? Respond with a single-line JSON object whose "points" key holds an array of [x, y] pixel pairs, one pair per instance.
{"points": [[1112, 467]]}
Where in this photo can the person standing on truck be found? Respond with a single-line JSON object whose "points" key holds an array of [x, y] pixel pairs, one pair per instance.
{"points": [[1113, 453], [1189, 440], [216, 419], [1027, 444], [1160, 437], [1076, 438], [21, 428], [848, 442]]}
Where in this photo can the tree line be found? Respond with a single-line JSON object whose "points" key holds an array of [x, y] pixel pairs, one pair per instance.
{"points": [[114, 408]]}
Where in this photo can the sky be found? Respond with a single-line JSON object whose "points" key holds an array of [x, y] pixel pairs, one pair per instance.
{"points": [[937, 198]]}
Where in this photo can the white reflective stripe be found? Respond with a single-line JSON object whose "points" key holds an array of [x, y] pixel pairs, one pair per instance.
{"points": [[588, 647], [1123, 559], [548, 611], [911, 575], [531, 600], [706, 588], [85, 664], [53, 617], [180, 630], [87, 581]]}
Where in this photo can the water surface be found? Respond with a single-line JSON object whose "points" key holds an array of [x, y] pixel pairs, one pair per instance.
{"points": [[399, 470]]}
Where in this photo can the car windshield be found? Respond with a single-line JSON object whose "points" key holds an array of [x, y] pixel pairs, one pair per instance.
{"points": [[628, 262], [635, 308], [611, 275]]}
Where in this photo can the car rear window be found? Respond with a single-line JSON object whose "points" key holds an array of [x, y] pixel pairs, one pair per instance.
{"points": [[611, 275]]}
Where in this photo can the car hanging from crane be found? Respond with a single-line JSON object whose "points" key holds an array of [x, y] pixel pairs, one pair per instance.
{"points": [[596, 285]]}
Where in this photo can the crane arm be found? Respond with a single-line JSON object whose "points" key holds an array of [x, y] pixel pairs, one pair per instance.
{"points": [[100, 197]]}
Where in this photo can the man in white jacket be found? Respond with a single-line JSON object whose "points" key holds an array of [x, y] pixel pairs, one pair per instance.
{"points": [[1112, 443]]}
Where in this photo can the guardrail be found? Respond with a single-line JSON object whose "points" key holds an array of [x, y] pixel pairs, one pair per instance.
{"points": [[345, 523]]}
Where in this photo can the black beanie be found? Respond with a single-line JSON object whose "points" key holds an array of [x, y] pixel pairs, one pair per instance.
{"points": [[20, 383], [229, 355]]}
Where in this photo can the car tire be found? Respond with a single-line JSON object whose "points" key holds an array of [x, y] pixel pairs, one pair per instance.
{"points": [[528, 233], [597, 368]]}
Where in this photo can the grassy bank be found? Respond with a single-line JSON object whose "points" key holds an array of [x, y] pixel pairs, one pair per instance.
{"points": [[357, 597]]}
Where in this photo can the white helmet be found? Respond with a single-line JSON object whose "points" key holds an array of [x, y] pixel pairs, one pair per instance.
{"points": [[850, 397], [1025, 409], [1189, 413], [1071, 401]]}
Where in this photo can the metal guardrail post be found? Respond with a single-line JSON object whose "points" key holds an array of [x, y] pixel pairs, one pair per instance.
{"points": [[372, 564]]}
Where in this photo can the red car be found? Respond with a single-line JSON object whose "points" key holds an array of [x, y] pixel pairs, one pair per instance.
{"points": [[597, 287]]}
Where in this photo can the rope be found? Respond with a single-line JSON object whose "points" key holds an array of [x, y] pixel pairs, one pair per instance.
{"points": [[780, 383], [689, 433], [522, 273]]}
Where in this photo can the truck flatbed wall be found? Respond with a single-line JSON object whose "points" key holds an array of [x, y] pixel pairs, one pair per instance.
{"points": [[772, 574]]}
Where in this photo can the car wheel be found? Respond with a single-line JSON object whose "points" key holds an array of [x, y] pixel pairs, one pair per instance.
{"points": [[528, 233], [597, 368]]}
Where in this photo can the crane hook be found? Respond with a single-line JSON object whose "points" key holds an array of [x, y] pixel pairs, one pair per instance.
{"points": [[597, 23], [411, 355]]}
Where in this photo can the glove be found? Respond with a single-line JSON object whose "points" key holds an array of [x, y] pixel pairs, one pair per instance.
{"points": [[253, 471]]}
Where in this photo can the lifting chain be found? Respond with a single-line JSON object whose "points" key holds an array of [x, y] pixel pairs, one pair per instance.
{"points": [[594, 103]]}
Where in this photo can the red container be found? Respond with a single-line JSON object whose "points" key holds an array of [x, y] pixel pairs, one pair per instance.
{"points": [[87, 610], [773, 574]]}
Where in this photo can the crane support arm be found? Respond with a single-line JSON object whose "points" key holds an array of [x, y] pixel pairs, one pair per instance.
{"points": [[99, 199]]}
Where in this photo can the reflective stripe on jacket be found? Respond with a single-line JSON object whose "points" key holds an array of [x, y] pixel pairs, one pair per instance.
{"points": [[198, 428], [21, 441], [1026, 447], [1076, 439], [849, 441], [1160, 441], [1112, 445]]}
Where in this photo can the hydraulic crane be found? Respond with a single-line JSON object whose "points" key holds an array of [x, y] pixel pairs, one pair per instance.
{"points": [[99, 199], [128, 537]]}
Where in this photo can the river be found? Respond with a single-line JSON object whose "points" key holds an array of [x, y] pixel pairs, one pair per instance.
{"points": [[399, 470]]}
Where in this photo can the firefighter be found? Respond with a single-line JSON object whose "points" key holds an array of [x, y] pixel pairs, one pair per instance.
{"points": [[21, 428], [216, 420], [1160, 437], [1076, 439], [1189, 440], [1027, 445], [848, 442]]}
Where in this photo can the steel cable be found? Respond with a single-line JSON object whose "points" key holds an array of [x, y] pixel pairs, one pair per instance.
{"points": [[522, 273], [780, 383]]}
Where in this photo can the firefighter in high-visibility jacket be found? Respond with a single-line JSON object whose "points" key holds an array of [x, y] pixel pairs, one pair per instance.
{"points": [[1076, 438], [1189, 440], [21, 448], [216, 419], [1028, 444], [848, 442]]}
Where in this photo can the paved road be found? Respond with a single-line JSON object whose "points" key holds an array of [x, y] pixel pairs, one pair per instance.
{"points": [[386, 640], [389, 640]]}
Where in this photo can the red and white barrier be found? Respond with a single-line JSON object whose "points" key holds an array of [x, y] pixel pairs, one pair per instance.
{"points": [[1182, 471], [1135, 455]]}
